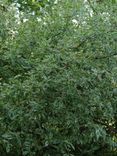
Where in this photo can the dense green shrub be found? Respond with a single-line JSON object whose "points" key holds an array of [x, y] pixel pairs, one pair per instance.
{"points": [[58, 80]]}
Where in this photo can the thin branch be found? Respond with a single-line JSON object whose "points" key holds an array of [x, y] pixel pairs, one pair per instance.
{"points": [[109, 129]]}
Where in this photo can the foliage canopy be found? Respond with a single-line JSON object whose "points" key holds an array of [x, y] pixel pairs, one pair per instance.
{"points": [[58, 79]]}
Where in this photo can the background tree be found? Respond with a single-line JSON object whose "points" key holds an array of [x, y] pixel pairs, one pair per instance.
{"points": [[58, 80]]}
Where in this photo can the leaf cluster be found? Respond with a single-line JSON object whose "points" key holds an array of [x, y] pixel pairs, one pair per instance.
{"points": [[58, 81]]}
